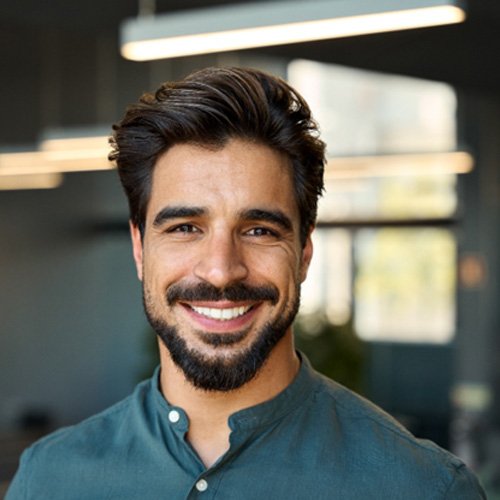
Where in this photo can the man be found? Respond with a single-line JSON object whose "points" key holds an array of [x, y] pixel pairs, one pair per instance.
{"points": [[222, 172]]}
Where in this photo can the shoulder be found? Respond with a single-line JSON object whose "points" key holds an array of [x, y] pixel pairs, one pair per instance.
{"points": [[369, 425], [378, 445]]}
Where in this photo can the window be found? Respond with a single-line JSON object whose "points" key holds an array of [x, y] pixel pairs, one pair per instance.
{"points": [[384, 252]]}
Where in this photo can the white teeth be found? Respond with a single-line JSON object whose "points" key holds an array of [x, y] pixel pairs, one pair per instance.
{"points": [[221, 314]]}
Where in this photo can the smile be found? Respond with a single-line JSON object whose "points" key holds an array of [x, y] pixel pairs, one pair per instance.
{"points": [[221, 314]]}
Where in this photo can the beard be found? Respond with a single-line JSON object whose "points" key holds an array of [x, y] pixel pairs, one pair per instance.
{"points": [[226, 372]]}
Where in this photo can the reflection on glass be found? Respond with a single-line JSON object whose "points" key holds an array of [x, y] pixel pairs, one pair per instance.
{"points": [[402, 282], [393, 198], [369, 113], [405, 284], [328, 284], [364, 112]]}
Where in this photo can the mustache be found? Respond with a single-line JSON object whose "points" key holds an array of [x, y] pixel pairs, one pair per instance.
{"points": [[235, 293]]}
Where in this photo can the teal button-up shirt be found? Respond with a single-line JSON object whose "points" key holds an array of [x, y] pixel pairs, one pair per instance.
{"points": [[315, 440]]}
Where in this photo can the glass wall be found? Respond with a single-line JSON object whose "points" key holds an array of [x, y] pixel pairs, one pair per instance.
{"points": [[385, 251]]}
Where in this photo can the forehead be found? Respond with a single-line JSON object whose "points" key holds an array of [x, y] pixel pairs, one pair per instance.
{"points": [[239, 175]]}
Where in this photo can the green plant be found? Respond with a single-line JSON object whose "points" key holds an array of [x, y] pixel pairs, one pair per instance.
{"points": [[333, 350]]}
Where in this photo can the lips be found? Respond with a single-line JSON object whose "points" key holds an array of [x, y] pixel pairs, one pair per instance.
{"points": [[220, 317], [221, 314], [221, 310]]}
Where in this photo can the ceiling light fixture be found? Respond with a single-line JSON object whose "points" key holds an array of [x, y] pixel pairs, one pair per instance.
{"points": [[453, 162], [262, 24], [60, 153], [35, 181]]}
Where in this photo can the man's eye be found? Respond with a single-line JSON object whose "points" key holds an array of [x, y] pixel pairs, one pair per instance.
{"points": [[261, 231], [183, 228]]}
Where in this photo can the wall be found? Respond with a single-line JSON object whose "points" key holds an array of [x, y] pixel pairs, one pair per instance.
{"points": [[71, 334], [477, 375]]}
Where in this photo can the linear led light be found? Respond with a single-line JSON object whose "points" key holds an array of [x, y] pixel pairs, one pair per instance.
{"points": [[251, 25], [35, 181], [48, 163], [59, 155], [455, 162]]}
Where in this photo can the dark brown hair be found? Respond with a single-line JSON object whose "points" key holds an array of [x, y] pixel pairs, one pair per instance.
{"points": [[210, 107]]}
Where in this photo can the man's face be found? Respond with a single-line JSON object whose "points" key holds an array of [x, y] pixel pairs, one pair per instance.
{"points": [[221, 260]]}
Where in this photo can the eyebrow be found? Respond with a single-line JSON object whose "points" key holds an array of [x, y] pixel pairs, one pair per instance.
{"points": [[254, 214], [274, 216], [169, 213]]}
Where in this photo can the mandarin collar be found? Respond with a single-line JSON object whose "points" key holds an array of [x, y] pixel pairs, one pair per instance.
{"points": [[256, 416]]}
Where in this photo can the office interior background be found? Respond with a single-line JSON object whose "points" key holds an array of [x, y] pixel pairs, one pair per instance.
{"points": [[403, 299]]}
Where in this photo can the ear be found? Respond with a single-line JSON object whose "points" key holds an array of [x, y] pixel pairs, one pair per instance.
{"points": [[135, 234], [307, 253]]}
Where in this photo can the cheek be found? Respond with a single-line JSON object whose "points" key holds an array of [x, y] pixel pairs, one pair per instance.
{"points": [[280, 268], [162, 268]]}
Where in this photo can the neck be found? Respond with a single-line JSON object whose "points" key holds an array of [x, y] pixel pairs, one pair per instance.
{"points": [[208, 412]]}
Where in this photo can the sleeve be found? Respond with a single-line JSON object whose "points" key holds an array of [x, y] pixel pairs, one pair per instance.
{"points": [[465, 486], [18, 487]]}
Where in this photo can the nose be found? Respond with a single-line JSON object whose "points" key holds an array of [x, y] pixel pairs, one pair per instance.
{"points": [[221, 261]]}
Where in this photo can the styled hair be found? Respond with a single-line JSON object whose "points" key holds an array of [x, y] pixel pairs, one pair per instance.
{"points": [[209, 108]]}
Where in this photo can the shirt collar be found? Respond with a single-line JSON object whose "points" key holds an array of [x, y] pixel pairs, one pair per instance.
{"points": [[256, 416]]}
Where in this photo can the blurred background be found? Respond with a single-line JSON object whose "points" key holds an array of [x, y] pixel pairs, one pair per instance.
{"points": [[402, 301]]}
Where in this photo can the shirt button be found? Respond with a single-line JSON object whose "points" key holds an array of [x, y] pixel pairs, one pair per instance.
{"points": [[201, 485], [174, 416]]}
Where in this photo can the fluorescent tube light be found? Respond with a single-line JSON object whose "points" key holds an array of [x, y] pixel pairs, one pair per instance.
{"points": [[455, 162], [47, 162], [263, 24], [35, 181], [59, 155]]}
